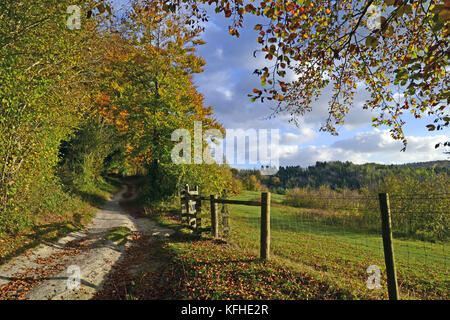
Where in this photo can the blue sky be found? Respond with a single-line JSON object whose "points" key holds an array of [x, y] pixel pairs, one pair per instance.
{"points": [[228, 79]]}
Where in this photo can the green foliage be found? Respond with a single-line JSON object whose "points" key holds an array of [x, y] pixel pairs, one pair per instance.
{"points": [[325, 198], [83, 157], [42, 100], [420, 206], [165, 181], [251, 179], [252, 183]]}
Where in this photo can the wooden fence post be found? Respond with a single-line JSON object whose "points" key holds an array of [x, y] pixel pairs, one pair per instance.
{"points": [[386, 230], [214, 217], [265, 226]]}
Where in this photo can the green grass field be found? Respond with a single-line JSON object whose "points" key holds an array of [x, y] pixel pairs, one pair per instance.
{"points": [[340, 255]]}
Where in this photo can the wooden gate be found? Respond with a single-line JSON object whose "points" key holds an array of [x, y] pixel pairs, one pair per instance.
{"points": [[191, 203]]}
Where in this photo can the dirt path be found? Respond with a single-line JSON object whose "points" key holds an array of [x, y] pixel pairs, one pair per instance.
{"points": [[42, 273]]}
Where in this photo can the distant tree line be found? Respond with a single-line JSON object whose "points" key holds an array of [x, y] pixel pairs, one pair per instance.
{"points": [[338, 175]]}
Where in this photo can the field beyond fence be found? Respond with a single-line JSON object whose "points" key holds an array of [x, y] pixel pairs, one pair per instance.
{"points": [[338, 240]]}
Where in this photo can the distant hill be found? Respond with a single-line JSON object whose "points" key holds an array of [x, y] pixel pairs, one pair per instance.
{"points": [[428, 164]]}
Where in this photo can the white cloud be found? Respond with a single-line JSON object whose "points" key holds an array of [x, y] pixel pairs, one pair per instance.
{"points": [[217, 83], [219, 53], [371, 146], [370, 141], [380, 142], [306, 134], [309, 155], [285, 151]]}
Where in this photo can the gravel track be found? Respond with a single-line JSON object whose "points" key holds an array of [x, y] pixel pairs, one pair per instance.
{"points": [[42, 273]]}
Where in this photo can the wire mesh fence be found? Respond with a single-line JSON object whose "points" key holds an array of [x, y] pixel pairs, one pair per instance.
{"points": [[340, 238], [420, 228]]}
